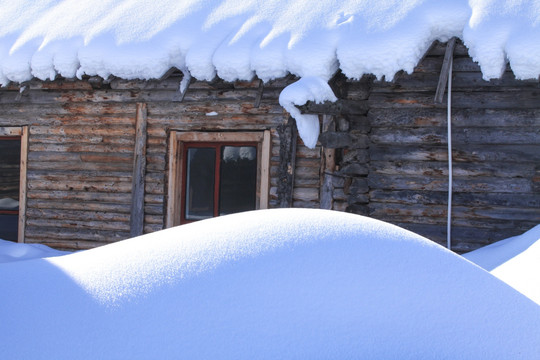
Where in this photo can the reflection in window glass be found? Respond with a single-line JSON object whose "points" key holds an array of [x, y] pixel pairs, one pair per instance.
{"points": [[10, 157], [200, 183], [238, 179]]}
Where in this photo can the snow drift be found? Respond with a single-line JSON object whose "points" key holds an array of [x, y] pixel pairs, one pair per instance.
{"points": [[272, 284], [515, 261]]}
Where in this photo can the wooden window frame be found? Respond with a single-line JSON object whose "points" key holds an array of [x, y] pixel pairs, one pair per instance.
{"points": [[22, 133], [177, 139]]}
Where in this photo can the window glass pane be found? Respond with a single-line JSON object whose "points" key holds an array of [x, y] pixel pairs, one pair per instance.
{"points": [[9, 226], [10, 157], [238, 181], [200, 183]]}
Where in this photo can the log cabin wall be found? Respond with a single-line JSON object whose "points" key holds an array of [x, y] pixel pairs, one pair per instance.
{"points": [[401, 175], [82, 140], [382, 152]]}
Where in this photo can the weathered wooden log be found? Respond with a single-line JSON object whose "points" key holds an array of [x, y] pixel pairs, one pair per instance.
{"points": [[338, 107], [287, 164], [136, 223]]}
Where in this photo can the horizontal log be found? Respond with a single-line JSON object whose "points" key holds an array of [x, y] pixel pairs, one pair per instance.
{"points": [[477, 184], [468, 118], [458, 198], [76, 205], [88, 185], [227, 121], [55, 139], [75, 147], [460, 169], [306, 194], [101, 236], [75, 165], [524, 99], [82, 130], [71, 214], [341, 106], [429, 212], [78, 224], [82, 157], [467, 136], [150, 228], [114, 198], [123, 96], [470, 153]]}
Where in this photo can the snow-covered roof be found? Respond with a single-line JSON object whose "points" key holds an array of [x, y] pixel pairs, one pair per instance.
{"points": [[237, 39]]}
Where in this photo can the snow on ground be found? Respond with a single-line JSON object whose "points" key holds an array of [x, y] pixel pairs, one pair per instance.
{"points": [[269, 284], [515, 261], [238, 39], [11, 251]]}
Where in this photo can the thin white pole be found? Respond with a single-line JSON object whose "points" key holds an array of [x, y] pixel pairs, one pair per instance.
{"points": [[449, 122]]}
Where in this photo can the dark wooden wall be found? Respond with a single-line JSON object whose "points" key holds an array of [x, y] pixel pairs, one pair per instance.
{"points": [[402, 173]]}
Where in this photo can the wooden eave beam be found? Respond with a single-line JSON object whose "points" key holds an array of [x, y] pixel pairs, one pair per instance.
{"points": [[443, 78], [341, 106]]}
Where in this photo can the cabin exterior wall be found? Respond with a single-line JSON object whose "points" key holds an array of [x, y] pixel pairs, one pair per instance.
{"points": [[394, 159], [382, 154]]}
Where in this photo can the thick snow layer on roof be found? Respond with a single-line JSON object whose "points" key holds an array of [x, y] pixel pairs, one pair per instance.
{"points": [[515, 261], [270, 284], [237, 39]]}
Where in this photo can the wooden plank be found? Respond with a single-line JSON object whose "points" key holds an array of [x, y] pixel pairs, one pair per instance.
{"points": [[139, 167], [173, 192], [445, 70], [219, 136], [23, 185], [328, 166], [265, 170]]}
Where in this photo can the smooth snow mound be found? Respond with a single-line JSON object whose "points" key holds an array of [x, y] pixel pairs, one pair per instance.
{"points": [[515, 261], [11, 251], [269, 284]]}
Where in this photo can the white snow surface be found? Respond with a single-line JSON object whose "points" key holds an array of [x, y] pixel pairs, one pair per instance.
{"points": [[311, 88], [515, 261], [11, 251], [269, 284], [238, 39]]}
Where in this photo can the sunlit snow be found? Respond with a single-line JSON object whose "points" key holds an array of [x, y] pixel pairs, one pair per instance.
{"points": [[269, 284]]}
